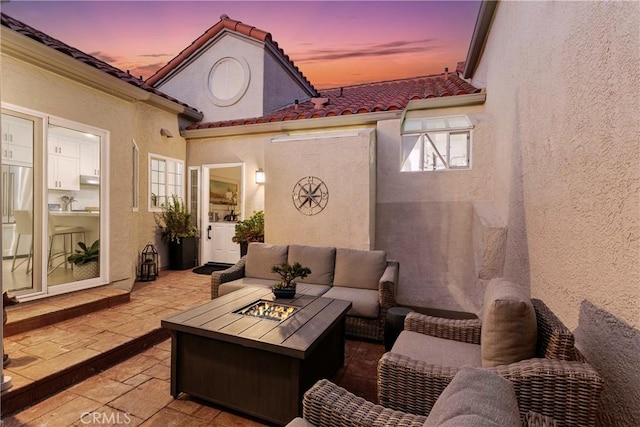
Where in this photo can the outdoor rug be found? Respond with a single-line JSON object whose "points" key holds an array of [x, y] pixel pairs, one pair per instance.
{"points": [[210, 267]]}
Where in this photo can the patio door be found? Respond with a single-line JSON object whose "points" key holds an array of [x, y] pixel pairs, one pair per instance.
{"points": [[222, 193]]}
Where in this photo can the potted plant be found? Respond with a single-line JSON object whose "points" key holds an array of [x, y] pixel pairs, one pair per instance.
{"points": [[249, 230], [177, 228], [86, 261], [288, 273]]}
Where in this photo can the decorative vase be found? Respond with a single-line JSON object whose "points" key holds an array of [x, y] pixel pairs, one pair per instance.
{"points": [[86, 271]]}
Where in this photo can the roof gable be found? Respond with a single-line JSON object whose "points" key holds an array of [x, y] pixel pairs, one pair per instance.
{"points": [[226, 24]]}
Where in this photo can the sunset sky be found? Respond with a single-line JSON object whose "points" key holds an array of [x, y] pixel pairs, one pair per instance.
{"points": [[334, 43]]}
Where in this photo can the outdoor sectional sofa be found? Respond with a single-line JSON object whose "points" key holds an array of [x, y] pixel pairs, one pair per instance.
{"points": [[365, 278]]}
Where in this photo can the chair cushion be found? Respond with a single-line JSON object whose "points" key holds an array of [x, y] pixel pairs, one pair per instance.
{"points": [[359, 269], [261, 257], [437, 351], [475, 397], [234, 285], [320, 260], [509, 328], [364, 302], [299, 422]]}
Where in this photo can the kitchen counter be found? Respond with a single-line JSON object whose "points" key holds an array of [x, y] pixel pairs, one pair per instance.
{"points": [[74, 213]]}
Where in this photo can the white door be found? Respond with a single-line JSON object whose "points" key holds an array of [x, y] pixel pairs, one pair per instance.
{"points": [[222, 194]]}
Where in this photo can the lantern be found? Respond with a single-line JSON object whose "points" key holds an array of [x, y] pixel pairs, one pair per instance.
{"points": [[148, 264]]}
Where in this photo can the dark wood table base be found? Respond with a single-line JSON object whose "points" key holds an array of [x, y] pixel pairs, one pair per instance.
{"points": [[243, 374]]}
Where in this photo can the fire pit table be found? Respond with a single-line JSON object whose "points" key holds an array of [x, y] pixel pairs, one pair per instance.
{"points": [[252, 353]]}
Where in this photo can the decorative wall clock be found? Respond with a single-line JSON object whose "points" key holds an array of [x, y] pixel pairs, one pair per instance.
{"points": [[310, 195]]}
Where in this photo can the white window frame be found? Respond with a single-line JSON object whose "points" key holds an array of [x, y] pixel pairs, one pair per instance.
{"points": [[168, 187], [426, 130]]}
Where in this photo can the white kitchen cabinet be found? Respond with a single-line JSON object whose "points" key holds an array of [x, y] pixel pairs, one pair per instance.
{"points": [[90, 158], [224, 249], [17, 141], [64, 165]]}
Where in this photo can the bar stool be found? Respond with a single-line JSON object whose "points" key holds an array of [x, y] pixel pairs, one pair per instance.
{"points": [[64, 231], [24, 226]]}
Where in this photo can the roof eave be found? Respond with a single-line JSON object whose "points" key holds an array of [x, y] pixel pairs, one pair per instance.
{"points": [[479, 37], [33, 52], [291, 125]]}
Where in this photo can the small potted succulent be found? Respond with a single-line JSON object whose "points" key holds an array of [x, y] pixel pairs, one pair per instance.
{"points": [[85, 261], [286, 288]]}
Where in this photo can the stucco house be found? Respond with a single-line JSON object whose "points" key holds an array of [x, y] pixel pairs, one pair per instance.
{"points": [[522, 163]]}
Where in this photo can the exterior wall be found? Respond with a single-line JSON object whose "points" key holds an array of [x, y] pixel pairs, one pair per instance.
{"points": [[191, 84], [344, 163], [425, 219], [247, 149], [30, 87], [280, 90], [563, 82]]}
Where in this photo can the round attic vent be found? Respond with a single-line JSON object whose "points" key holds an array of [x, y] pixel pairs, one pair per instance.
{"points": [[228, 80]]}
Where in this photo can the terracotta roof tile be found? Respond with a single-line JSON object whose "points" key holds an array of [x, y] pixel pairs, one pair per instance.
{"points": [[365, 98], [40, 37], [229, 24]]}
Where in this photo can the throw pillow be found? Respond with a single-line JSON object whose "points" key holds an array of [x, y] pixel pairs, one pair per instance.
{"points": [[509, 328]]}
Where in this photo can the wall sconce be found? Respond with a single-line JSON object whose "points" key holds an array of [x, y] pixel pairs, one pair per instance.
{"points": [[166, 132], [260, 176]]}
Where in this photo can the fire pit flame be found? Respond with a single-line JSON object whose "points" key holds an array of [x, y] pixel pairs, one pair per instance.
{"points": [[267, 310]]}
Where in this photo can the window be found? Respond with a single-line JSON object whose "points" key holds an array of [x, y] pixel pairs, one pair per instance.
{"points": [[165, 180], [135, 190], [436, 143]]}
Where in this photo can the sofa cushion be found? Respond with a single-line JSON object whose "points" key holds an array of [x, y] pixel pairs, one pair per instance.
{"points": [[476, 397], [364, 302], [509, 328], [437, 351], [261, 257], [234, 285], [320, 260], [311, 289], [359, 269]]}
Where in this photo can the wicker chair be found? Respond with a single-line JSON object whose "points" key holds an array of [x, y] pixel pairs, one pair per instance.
{"points": [[328, 405], [557, 383]]}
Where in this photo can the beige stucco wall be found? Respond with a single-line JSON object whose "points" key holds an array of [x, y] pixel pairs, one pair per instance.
{"points": [[344, 162], [563, 87], [30, 87], [191, 84], [425, 219]]}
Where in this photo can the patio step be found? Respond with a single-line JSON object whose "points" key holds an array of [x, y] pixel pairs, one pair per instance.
{"points": [[21, 395], [31, 315]]}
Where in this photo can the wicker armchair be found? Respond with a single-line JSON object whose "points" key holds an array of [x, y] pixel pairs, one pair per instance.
{"points": [[557, 383], [328, 405]]}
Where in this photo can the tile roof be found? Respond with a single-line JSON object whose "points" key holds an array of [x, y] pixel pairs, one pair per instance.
{"points": [[228, 24], [363, 98], [39, 36]]}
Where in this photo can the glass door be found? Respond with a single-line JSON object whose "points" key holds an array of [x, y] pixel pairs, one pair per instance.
{"points": [[73, 202], [19, 132]]}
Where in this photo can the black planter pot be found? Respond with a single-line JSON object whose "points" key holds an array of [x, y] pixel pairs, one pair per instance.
{"points": [[243, 248], [182, 255], [284, 293]]}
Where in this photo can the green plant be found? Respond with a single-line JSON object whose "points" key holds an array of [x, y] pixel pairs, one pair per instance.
{"points": [[85, 254], [250, 230], [175, 221], [289, 273]]}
